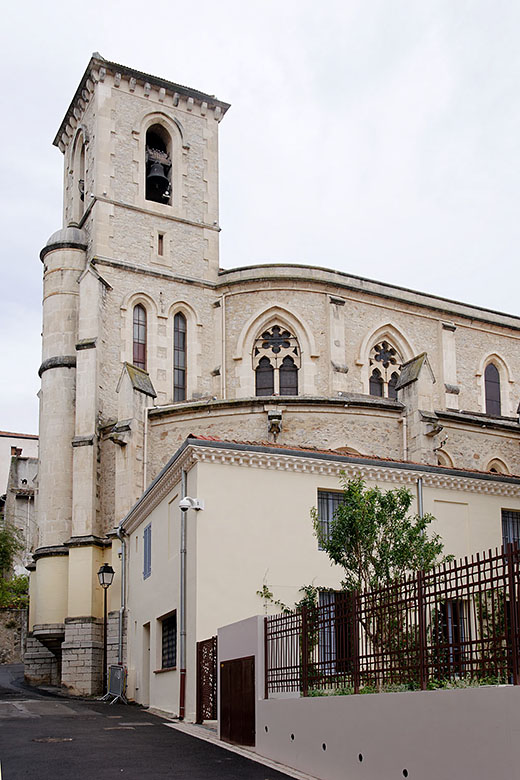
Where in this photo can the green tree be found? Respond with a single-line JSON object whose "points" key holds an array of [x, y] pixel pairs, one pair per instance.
{"points": [[10, 544], [374, 539], [13, 588]]}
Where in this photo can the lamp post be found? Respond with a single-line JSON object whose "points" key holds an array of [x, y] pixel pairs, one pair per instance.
{"points": [[105, 577]]}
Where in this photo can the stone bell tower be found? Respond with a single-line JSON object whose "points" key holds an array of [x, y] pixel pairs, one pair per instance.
{"points": [[141, 231]]}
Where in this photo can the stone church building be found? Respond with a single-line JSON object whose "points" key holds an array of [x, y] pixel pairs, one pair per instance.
{"points": [[148, 341]]}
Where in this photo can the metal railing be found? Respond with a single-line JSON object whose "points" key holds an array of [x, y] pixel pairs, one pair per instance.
{"points": [[458, 621]]}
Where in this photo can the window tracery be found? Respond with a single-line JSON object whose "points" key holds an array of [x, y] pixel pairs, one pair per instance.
{"points": [[276, 361], [385, 364]]}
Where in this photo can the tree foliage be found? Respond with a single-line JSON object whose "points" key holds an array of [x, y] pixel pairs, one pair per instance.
{"points": [[13, 588], [10, 544], [374, 539]]}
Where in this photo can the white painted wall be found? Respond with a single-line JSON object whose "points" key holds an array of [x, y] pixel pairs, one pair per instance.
{"points": [[468, 734]]}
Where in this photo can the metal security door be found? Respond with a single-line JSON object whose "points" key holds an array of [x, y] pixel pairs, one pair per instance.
{"points": [[207, 680], [237, 701]]}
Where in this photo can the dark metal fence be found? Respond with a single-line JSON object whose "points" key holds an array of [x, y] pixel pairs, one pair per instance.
{"points": [[460, 620]]}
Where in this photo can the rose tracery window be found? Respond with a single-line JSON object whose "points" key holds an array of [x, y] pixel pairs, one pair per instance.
{"points": [[385, 366], [276, 361]]}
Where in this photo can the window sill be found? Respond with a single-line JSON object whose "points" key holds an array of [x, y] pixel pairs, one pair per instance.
{"points": [[167, 669]]}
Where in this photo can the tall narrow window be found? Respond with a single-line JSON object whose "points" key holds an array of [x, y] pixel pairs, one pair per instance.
{"points": [[77, 171], [264, 377], [492, 385], [392, 392], [376, 383], [169, 642], [328, 502], [288, 377], [139, 354], [179, 357], [158, 165]]}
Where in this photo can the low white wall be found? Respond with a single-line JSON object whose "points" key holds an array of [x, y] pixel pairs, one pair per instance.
{"points": [[241, 640], [468, 734]]}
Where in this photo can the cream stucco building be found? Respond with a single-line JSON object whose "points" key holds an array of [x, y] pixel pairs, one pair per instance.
{"points": [[147, 340]]}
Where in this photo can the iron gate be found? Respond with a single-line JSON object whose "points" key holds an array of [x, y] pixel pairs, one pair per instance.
{"points": [[207, 679]]}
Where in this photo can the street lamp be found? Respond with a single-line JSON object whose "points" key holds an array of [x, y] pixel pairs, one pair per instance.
{"points": [[105, 577]]}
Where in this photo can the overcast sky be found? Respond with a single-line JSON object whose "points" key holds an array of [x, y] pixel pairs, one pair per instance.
{"points": [[377, 137]]}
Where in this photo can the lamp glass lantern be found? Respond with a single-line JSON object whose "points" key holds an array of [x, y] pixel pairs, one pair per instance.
{"points": [[105, 575]]}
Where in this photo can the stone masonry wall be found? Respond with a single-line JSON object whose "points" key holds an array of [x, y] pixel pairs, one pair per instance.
{"points": [[82, 655], [13, 628], [41, 666]]}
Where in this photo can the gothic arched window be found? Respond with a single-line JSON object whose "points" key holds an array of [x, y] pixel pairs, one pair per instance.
{"points": [[264, 377], [179, 357], [276, 361], [385, 364], [139, 351], [492, 386], [158, 165], [288, 377], [376, 383]]}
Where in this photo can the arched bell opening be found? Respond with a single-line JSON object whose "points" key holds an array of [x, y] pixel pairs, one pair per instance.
{"points": [[158, 165]]}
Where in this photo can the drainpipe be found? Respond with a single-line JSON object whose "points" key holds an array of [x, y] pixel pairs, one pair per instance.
{"points": [[120, 535], [145, 445], [182, 606], [223, 368], [405, 437], [420, 505]]}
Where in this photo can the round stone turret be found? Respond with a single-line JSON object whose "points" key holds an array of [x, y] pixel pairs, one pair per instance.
{"points": [[70, 237]]}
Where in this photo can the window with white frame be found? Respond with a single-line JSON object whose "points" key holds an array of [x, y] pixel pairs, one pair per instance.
{"points": [[328, 502], [510, 527]]}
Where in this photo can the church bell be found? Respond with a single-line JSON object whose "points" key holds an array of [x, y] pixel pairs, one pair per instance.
{"points": [[157, 181]]}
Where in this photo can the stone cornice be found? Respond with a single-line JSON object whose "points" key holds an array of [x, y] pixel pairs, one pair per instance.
{"points": [[164, 91], [319, 464], [159, 489], [50, 552], [263, 403], [61, 361], [509, 424], [255, 274]]}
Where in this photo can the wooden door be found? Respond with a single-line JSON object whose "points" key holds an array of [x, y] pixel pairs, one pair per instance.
{"points": [[237, 701]]}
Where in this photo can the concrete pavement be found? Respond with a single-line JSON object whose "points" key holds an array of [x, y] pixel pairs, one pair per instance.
{"points": [[44, 736]]}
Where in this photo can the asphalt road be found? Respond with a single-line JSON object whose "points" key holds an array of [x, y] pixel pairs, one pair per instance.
{"points": [[49, 737]]}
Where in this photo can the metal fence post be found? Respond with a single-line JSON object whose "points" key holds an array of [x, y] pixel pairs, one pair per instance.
{"points": [[513, 613], [356, 619], [305, 652], [266, 661], [421, 613]]}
